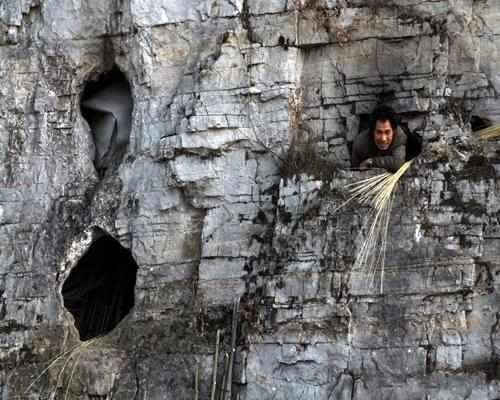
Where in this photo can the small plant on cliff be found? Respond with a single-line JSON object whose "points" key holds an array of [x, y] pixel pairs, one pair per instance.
{"points": [[325, 17], [65, 358], [303, 157], [376, 5]]}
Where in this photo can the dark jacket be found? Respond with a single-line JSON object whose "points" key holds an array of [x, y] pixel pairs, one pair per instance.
{"points": [[364, 147]]}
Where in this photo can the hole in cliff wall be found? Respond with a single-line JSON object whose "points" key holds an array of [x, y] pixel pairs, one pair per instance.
{"points": [[477, 123], [414, 143], [99, 291], [106, 105]]}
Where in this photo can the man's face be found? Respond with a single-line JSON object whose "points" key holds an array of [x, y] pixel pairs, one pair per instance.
{"points": [[383, 135]]}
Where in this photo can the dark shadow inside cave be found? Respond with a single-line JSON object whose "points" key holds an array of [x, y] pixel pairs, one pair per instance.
{"points": [[106, 105], [477, 123], [99, 291]]}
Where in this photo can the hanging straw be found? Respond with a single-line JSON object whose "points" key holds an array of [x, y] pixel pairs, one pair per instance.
{"points": [[489, 133], [378, 193], [216, 363]]}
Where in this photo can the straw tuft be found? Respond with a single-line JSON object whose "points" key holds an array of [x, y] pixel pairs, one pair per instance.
{"points": [[65, 358], [377, 192], [489, 133]]}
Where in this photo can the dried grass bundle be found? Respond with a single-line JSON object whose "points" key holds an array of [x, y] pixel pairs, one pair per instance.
{"points": [[377, 192], [489, 133], [65, 357]]}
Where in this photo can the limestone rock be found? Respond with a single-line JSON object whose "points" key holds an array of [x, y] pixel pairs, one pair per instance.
{"points": [[222, 195]]}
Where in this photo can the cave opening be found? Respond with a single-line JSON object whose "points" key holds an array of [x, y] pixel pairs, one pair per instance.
{"points": [[477, 123], [99, 291], [106, 104]]}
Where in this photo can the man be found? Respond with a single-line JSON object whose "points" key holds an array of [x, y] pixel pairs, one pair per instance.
{"points": [[383, 145]]}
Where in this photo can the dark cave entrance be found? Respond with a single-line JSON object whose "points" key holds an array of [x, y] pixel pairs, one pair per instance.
{"points": [[106, 104], [477, 123], [99, 291]]}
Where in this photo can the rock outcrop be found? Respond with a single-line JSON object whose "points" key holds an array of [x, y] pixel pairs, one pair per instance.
{"points": [[244, 112]]}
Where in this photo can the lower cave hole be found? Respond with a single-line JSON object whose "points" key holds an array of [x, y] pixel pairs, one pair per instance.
{"points": [[99, 291], [106, 105]]}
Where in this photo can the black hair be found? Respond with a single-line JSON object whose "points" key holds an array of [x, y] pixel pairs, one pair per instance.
{"points": [[383, 113]]}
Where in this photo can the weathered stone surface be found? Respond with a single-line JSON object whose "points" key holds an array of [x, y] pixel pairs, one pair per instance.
{"points": [[214, 207]]}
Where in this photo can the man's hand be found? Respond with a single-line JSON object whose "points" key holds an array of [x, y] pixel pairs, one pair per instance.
{"points": [[366, 164]]}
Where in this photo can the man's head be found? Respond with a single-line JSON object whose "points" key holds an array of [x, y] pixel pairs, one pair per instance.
{"points": [[383, 127]]}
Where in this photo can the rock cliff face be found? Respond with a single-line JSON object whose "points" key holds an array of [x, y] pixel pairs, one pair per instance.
{"points": [[215, 202]]}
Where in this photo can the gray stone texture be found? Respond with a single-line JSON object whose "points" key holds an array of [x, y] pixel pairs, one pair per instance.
{"points": [[213, 207]]}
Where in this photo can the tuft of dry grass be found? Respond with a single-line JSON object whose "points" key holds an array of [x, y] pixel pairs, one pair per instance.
{"points": [[489, 133], [64, 357], [305, 158], [377, 192]]}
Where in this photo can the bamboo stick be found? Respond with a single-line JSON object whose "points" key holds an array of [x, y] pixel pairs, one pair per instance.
{"points": [[216, 362], [196, 379], [222, 393], [234, 331]]}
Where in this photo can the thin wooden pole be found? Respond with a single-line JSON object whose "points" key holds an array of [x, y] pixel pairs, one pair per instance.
{"points": [[234, 331], [222, 394], [216, 362], [196, 379]]}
